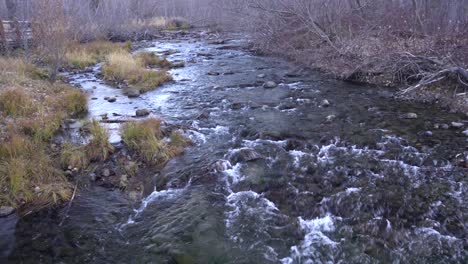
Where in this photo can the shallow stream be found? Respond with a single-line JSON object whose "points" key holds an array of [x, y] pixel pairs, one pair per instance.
{"points": [[275, 175]]}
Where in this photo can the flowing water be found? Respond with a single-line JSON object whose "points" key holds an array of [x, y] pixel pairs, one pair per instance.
{"points": [[273, 177]]}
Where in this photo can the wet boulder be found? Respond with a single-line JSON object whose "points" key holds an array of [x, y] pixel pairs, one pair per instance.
{"points": [[142, 112], [465, 133], [6, 211], [244, 155], [270, 85], [111, 99], [133, 93]]}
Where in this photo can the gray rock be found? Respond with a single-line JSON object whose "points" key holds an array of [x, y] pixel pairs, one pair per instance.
{"points": [[457, 125], [325, 103], [178, 64], [444, 126], [105, 172], [213, 73], [409, 116], [261, 75], [427, 133], [245, 155], [270, 85], [142, 112], [465, 133], [6, 211], [111, 99], [133, 93], [330, 118]]}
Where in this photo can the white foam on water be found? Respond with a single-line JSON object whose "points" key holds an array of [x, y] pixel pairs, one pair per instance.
{"points": [[352, 190], [248, 203], [196, 136], [155, 195], [315, 237], [426, 232], [297, 156], [253, 143], [234, 173]]}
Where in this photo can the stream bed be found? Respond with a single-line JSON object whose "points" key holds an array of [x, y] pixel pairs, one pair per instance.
{"points": [[275, 175]]}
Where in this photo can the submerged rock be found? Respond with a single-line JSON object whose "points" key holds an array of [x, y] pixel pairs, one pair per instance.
{"points": [[6, 211], [409, 116], [261, 76], [270, 85], [457, 125], [142, 112]]}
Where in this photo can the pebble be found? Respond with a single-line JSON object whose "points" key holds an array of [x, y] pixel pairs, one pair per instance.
{"points": [[111, 99], [330, 118], [325, 103], [105, 172], [409, 116], [93, 176], [269, 85], [261, 76]]}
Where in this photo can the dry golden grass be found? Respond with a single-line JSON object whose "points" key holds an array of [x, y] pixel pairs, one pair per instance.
{"points": [[98, 148], [149, 59], [15, 102], [169, 23], [84, 55], [146, 139], [123, 67], [28, 175]]}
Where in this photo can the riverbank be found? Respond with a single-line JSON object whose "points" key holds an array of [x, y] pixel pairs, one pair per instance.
{"points": [[404, 62], [49, 148]]}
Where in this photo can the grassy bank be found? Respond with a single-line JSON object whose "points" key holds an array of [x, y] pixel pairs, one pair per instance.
{"points": [[32, 110]]}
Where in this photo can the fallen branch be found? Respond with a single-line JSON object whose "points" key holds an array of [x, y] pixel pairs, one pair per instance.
{"points": [[69, 205], [456, 74]]}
